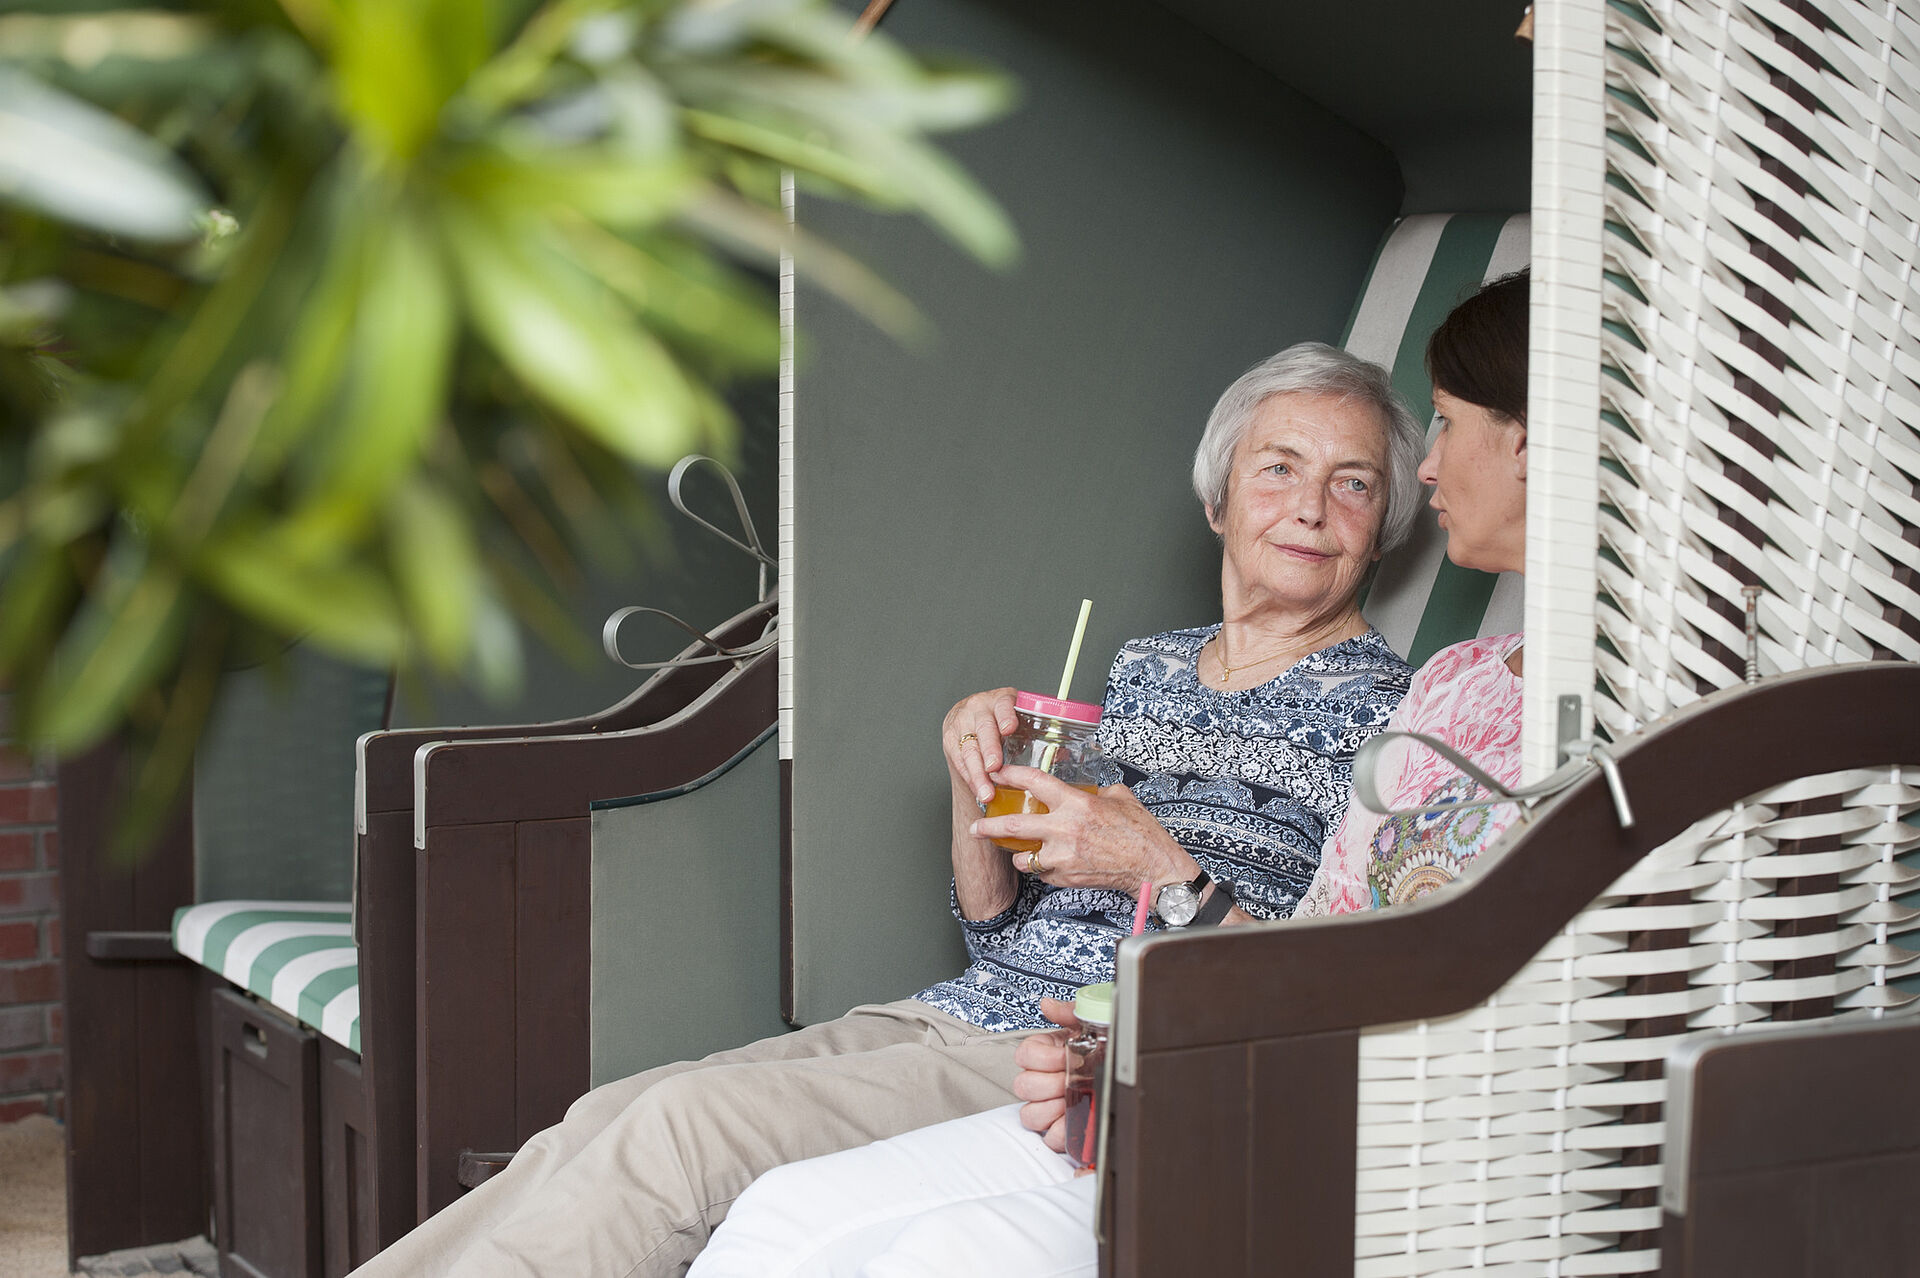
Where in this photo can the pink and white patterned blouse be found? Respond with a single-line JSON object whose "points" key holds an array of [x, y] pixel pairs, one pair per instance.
{"points": [[1467, 696]]}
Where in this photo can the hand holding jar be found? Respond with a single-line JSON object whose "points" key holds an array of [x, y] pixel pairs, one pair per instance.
{"points": [[1075, 837]]}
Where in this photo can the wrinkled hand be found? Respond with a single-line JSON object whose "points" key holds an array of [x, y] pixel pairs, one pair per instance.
{"points": [[989, 716], [1104, 839], [1042, 1080]]}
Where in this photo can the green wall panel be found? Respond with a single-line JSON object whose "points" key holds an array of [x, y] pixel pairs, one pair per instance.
{"points": [[1184, 214]]}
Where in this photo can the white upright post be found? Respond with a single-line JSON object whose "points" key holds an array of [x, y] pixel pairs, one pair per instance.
{"points": [[1563, 391], [786, 548]]}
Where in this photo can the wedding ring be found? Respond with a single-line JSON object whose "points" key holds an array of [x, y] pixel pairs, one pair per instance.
{"points": [[1033, 862], [966, 737]]}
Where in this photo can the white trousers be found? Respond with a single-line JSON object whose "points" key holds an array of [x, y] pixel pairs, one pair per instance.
{"points": [[977, 1195]]}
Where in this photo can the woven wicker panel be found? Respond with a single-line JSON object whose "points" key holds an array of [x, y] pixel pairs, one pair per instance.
{"points": [[1524, 1137], [1761, 417]]}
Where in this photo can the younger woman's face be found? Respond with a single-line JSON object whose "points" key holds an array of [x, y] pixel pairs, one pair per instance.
{"points": [[1478, 469]]}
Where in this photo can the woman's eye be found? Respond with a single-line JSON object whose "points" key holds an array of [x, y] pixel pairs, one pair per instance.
{"points": [[1355, 485], [1278, 469]]}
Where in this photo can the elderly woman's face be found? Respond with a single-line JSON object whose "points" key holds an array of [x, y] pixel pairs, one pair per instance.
{"points": [[1304, 502]]}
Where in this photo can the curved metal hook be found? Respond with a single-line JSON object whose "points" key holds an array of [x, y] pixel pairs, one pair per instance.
{"points": [[1583, 754], [610, 642], [752, 545]]}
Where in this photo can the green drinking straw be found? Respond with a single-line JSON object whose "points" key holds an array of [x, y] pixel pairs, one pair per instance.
{"points": [[1073, 653], [1066, 676]]}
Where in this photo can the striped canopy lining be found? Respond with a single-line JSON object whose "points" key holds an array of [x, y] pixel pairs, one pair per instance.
{"points": [[297, 955], [1762, 351], [1421, 602]]}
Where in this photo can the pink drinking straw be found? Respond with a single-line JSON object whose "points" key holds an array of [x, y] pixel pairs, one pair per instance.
{"points": [[1140, 910]]}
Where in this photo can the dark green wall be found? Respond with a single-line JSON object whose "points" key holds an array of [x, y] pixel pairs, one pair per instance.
{"points": [[1184, 214]]}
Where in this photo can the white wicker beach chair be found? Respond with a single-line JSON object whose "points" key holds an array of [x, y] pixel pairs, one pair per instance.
{"points": [[1724, 488]]}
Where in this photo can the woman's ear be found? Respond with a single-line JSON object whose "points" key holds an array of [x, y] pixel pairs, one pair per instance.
{"points": [[1211, 521], [1519, 445]]}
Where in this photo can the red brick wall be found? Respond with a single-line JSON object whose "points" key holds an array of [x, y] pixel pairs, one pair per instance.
{"points": [[32, 1066]]}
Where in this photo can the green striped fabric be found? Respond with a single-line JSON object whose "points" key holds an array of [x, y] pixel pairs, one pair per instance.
{"points": [[1427, 264], [297, 955]]}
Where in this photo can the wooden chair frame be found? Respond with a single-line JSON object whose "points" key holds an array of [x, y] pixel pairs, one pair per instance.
{"points": [[1236, 1051]]}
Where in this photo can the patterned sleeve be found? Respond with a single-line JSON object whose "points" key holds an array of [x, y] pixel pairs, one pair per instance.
{"points": [[996, 935], [1340, 884]]}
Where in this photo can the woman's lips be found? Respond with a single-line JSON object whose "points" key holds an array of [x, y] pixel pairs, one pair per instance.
{"points": [[1305, 552]]}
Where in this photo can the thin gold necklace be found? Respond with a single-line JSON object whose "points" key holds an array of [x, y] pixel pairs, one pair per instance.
{"points": [[1227, 672]]}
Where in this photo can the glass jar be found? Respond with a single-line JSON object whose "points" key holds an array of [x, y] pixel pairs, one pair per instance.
{"points": [[1086, 1070], [1054, 736]]}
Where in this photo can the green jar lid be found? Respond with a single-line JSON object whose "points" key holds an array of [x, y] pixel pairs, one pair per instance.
{"points": [[1094, 1003]]}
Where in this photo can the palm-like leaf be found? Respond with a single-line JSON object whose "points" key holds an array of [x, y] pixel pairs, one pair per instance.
{"points": [[349, 320]]}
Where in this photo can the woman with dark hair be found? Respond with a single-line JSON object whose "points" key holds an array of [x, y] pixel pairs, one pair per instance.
{"points": [[990, 1193]]}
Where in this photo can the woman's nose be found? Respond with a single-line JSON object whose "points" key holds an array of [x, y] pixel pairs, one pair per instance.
{"points": [[1313, 505], [1429, 471]]}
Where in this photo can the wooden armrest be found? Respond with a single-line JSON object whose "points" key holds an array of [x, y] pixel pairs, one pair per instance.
{"points": [[1249, 983], [133, 947], [386, 758], [1793, 1150], [556, 777]]}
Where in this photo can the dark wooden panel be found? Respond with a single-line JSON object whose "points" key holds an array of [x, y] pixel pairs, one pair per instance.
{"points": [[465, 1045], [1300, 1184], [266, 1141], [136, 1165], [385, 913], [1773, 1100], [1800, 1153], [1185, 1128], [552, 961], [349, 1226]]}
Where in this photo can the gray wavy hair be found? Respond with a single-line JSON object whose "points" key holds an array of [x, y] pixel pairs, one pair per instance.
{"points": [[1314, 368]]}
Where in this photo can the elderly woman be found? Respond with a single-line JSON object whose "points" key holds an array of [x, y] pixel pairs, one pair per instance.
{"points": [[1236, 745], [985, 1195]]}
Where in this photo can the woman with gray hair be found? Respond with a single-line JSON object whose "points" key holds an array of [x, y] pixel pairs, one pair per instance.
{"points": [[1307, 473], [1234, 744], [987, 1193], [1234, 748]]}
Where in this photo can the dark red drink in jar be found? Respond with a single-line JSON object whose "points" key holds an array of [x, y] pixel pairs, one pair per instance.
{"points": [[1086, 1069]]}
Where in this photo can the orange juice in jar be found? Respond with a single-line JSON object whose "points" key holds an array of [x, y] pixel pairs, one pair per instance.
{"points": [[1055, 736]]}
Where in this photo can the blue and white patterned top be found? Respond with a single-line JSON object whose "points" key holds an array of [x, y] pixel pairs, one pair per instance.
{"points": [[1251, 783]]}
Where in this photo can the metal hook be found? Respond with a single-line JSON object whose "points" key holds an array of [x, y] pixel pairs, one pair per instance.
{"points": [[1582, 754], [610, 642], [753, 545]]}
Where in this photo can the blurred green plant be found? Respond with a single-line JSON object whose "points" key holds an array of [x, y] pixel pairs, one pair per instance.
{"points": [[356, 321]]}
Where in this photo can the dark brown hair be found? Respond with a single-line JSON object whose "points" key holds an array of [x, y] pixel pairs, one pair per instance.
{"points": [[1479, 352]]}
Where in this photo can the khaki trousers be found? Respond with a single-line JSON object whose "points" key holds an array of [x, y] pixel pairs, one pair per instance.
{"points": [[640, 1171]]}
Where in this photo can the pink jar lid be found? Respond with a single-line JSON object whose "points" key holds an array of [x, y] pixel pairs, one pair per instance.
{"points": [[1072, 711]]}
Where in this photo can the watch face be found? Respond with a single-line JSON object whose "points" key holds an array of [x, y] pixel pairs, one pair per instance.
{"points": [[1176, 904]]}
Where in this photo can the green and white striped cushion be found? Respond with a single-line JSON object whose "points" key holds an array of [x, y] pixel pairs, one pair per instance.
{"points": [[1426, 265], [297, 955]]}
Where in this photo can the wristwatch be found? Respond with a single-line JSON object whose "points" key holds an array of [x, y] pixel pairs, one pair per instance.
{"points": [[1178, 903]]}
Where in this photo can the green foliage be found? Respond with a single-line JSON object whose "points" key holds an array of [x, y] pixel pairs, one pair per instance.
{"points": [[351, 321]]}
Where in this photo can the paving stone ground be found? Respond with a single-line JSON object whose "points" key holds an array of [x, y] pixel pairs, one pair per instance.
{"points": [[190, 1256]]}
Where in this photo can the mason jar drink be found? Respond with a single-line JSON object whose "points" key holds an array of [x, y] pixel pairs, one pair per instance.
{"points": [[1054, 736], [1086, 1064]]}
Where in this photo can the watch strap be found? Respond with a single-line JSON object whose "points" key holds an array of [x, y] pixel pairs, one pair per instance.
{"points": [[1215, 907]]}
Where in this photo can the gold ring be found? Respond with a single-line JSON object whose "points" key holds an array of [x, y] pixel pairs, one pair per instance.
{"points": [[1033, 862], [966, 737]]}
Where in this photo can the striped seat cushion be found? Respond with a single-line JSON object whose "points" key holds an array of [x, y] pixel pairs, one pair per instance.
{"points": [[297, 955], [1427, 264]]}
